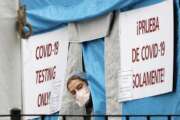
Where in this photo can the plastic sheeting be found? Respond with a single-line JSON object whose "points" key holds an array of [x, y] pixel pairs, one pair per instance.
{"points": [[93, 55], [112, 66], [51, 14], [85, 30], [48, 14], [10, 59], [74, 66]]}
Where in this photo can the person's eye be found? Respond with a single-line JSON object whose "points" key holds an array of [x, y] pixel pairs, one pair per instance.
{"points": [[79, 86], [73, 92]]}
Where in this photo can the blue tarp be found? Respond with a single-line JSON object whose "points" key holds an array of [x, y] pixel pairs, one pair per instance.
{"points": [[93, 55], [49, 117], [49, 14]]}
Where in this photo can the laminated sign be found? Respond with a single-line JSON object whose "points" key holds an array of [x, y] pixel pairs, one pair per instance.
{"points": [[44, 60], [146, 51]]}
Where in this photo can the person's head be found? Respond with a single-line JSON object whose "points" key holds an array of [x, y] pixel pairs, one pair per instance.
{"points": [[75, 83], [78, 88]]}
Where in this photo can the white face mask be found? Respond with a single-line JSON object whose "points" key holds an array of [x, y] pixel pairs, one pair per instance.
{"points": [[82, 96]]}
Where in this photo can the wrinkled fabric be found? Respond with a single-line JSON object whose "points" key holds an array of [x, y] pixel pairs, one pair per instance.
{"points": [[112, 66], [63, 11], [49, 14], [84, 30], [95, 76], [93, 56], [74, 65]]}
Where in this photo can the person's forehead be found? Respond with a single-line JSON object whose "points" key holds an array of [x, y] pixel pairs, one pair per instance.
{"points": [[73, 83]]}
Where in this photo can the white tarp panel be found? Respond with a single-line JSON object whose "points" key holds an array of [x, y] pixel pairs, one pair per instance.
{"points": [[10, 76]]}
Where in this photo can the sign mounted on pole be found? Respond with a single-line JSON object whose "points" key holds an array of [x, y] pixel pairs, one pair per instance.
{"points": [[44, 60], [146, 51]]}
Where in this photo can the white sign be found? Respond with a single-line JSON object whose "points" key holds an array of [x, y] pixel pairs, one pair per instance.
{"points": [[44, 59], [146, 51]]}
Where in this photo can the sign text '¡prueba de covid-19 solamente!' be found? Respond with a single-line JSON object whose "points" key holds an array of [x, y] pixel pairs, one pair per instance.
{"points": [[147, 52]]}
